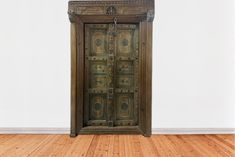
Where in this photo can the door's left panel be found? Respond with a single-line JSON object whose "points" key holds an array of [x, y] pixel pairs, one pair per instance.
{"points": [[96, 78]]}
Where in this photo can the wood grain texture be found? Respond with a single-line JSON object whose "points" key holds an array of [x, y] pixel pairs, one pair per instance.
{"points": [[73, 79], [117, 146]]}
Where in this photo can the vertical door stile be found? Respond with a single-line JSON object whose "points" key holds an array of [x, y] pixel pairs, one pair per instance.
{"points": [[136, 76], [115, 32], [110, 65], [87, 49]]}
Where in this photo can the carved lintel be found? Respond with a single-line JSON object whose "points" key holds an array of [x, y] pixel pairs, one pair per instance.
{"points": [[127, 7], [111, 10], [112, 2], [150, 15]]}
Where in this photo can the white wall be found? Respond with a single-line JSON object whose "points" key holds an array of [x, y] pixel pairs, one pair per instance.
{"points": [[193, 64], [34, 64]]}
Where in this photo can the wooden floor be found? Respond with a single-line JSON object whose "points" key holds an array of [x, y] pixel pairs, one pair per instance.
{"points": [[117, 146]]}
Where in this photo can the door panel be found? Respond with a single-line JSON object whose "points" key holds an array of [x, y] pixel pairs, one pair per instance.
{"points": [[97, 34], [124, 81], [124, 106], [126, 84], [96, 50], [97, 106], [125, 67], [111, 68]]}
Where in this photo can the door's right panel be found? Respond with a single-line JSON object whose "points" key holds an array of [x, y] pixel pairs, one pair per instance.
{"points": [[126, 75]]}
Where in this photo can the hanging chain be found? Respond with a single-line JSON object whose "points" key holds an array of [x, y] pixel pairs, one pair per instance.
{"points": [[115, 25], [115, 21]]}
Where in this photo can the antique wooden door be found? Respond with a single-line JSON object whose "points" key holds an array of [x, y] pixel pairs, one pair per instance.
{"points": [[111, 66], [111, 75]]}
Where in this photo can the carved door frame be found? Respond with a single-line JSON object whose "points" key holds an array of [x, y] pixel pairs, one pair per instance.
{"points": [[81, 12]]}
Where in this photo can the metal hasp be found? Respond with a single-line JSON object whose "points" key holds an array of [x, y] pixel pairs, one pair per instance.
{"points": [[111, 66]]}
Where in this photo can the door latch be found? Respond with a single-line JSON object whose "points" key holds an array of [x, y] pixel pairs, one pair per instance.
{"points": [[110, 93], [115, 26]]}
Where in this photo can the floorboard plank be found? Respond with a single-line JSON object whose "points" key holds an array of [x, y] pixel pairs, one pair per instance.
{"points": [[45, 147], [122, 148], [26, 146], [163, 149], [4, 138], [183, 147], [93, 145], [80, 146], [223, 145], [61, 146], [228, 138], [147, 146], [135, 145], [11, 143], [113, 150], [102, 146], [206, 147], [129, 151]]}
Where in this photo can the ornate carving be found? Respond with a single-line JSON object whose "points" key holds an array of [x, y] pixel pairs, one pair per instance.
{"points": [[112, 2], [125, 67], [150, 15], [125, 81], [72, 17], [125, 42], [124, 7], [98, 81], [98, 67], [124, 107], [111, 10], [97, 107]]}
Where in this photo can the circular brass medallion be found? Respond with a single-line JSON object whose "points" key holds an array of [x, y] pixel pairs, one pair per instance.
{"points": [[97, 106], [124, 106], [98, 42], [125, 42]]}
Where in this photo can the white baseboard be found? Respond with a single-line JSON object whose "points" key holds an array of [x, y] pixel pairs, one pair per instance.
{"points": [[193, 131], [34, 130], [154, 130]]}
